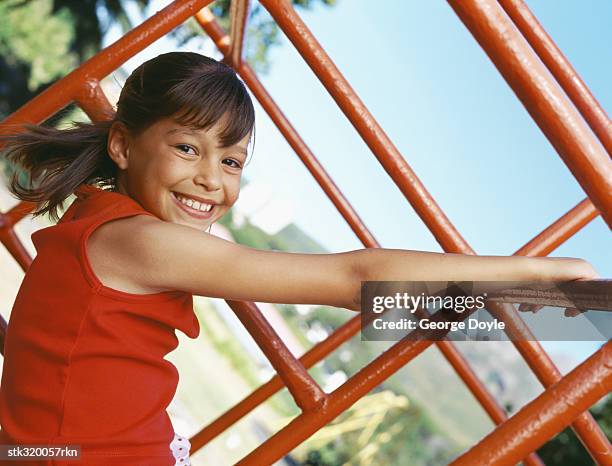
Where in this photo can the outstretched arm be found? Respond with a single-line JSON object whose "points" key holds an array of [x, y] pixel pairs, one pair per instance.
{"points": [[167, 256], [403, 265]]}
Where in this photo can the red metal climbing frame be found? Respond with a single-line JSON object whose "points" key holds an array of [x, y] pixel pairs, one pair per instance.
{"points": [[560, 104]]}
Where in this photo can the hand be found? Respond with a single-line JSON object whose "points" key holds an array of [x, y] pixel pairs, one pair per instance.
{"points": [[564, 269]]}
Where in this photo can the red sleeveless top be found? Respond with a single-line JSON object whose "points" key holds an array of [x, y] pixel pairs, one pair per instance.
{"points": [[84, 363]]}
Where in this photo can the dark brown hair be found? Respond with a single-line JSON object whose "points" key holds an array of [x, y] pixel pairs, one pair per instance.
{"points": [[197, 91]]}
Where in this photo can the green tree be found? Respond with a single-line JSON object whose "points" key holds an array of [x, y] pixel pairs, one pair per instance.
{"points": [[34, 49], [43, 40], [404, 433]]}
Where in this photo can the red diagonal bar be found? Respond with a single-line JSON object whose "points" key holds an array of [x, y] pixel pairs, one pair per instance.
{"points": [[305, 391], [561, 69], [557, 233], [546, 415], [93, 101], [541, 96], [8, 237], [15, 247], [559, 404], [212, 28], [372, 375], [265, 391], [367, 127], [425, 206], [216, 33]]}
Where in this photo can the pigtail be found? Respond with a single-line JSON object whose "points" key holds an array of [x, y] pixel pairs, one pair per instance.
{"points": [[57, 162]]}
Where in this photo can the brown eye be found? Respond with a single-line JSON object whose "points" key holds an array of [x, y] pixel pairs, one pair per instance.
{"points": [[186, 148], [236, 164]]}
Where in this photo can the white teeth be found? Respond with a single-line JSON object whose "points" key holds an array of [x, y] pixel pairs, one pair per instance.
{"points": [[202, 207]]}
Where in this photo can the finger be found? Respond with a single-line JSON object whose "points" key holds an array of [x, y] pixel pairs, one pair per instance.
{"points": [[524, 307], [572, 312]]}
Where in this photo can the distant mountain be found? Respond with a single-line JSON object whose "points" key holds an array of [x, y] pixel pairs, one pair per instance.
{"points": [[292, 238]]}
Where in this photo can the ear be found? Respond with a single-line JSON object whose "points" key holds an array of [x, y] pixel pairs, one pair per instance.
{"points": [[118, 144]]}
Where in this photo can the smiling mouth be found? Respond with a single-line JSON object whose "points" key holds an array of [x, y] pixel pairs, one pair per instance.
{"points": [[193, 208]]}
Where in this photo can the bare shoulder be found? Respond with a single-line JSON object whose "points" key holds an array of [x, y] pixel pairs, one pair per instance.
{"points": [[121, 234], [110, 251], [143, 254]]}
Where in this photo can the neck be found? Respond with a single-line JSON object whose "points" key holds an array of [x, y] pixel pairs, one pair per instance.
{"points": [[120, 184]]}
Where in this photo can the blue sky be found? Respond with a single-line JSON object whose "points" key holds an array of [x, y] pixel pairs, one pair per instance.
{"points": [[451, 115], [449, 112]]}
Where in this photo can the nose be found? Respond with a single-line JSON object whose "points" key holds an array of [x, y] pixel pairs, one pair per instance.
{"points": [[209, 176]]}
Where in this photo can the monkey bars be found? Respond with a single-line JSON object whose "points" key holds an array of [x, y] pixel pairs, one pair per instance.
{"points": [[548, 87]]}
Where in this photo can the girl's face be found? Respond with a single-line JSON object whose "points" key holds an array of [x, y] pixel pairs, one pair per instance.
{"points": [[178, 173]]}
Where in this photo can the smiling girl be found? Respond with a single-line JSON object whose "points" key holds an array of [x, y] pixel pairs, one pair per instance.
{"points": [[97, 310]]}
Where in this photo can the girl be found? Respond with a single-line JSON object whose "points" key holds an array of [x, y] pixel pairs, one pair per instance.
{"points": [[97, 310]]}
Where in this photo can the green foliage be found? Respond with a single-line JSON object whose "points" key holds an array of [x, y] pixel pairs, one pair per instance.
{"points": [[328, 317], [228, 219], [28, 29], [401, 435], [252, 236], [603, 415], [326, 456], [43, 40]]}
